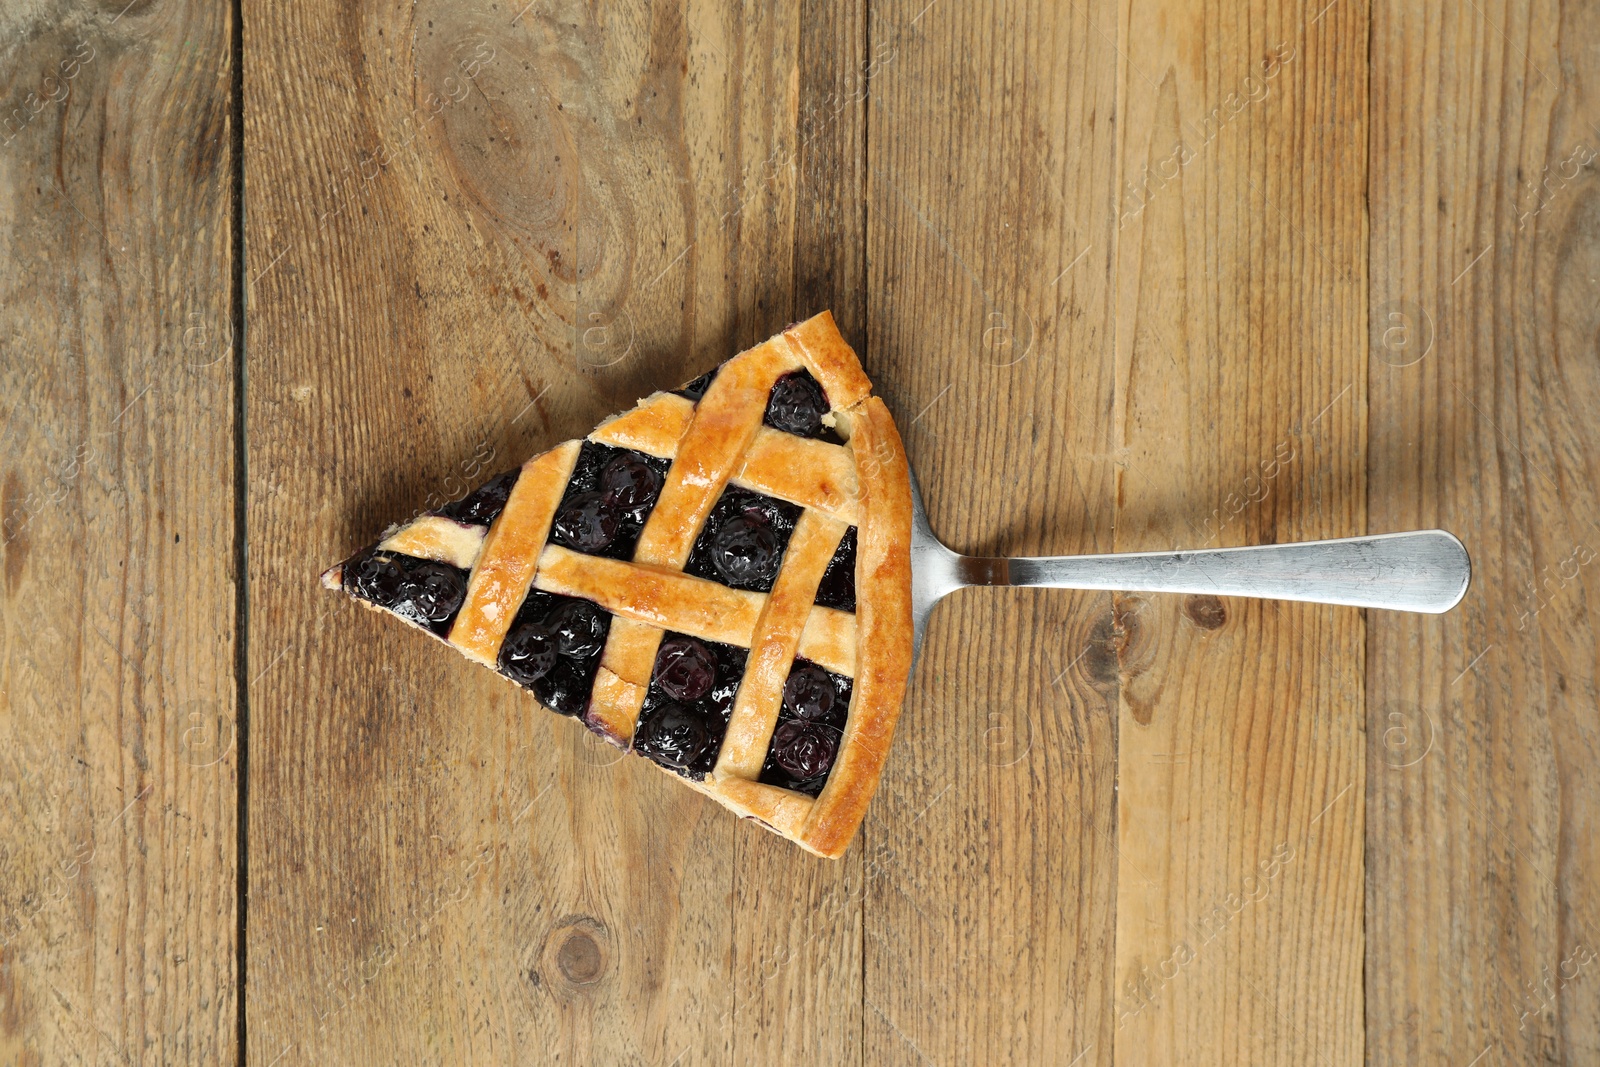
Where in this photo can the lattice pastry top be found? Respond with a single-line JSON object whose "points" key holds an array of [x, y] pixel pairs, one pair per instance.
{"points": [[718, 579]]}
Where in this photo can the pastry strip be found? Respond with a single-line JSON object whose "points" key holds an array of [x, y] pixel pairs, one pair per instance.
{"points": [[830, 360], [829, 640], [614, 702], [663, 599], [439, 539], [883, 611], [505, 567], [716, 435], [782, 809], [813, 474], [773, 646], [723, 424], [654, 427]]}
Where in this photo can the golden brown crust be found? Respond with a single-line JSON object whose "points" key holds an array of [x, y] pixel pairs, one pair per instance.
{"points": [[625, 668], [653, 427], [614, 702], [665, 599], [724, 422], [830, 359], [773, 644], [813, 474], [780, 809], [829, 640], [714, 442], [883, 616], [505, 569], [437, 538]]}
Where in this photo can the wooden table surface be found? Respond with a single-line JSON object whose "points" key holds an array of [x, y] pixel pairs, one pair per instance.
{"points": [[1130, 276]]}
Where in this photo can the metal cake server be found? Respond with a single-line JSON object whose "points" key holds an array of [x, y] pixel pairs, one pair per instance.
{"points": [[1423, 570]]}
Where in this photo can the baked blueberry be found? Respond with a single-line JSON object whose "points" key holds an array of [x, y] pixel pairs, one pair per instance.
{"points": [[553, 648], [565, 690], [696, 680], [608, 497], [746, 551], [579, 628], [378, 579], [809, 693], [630, 485], [587, 523], [804, 749], [528, 652], [797, 405], [481, 506], [674, 736], [697, 388], [743, 540], [434, 593], [838, 586], [685, 668], [420, 590]]}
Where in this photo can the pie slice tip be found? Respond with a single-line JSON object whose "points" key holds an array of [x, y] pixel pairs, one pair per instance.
{"points": [[718, 580]]}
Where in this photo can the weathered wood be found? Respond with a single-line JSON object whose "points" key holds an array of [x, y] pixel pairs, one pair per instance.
{"points": [[118, 783], [605, 201], [1240, 347], [990, 869], [797, 920], [1483, 927], [1109, 266]]}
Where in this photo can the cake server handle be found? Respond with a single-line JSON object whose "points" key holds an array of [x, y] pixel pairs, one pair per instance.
{"points": [[1422, 570]]}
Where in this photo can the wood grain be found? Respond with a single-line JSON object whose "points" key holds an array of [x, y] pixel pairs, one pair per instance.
{"points": [[604, 203], [117, 645], [1482, 916], [797, 943], [1110, 266], [1239, 418], [989, 850]]}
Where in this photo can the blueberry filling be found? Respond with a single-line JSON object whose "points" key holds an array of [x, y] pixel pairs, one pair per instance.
{"points": [[810, 727], [528, 653], [685, 668], [427, 593], [797, 405], [838, 586], [607, 500], [481, 506], [743, 541], [810, 693], [804, 751], [553, 648], [579, 627], [587, 522], [675, 737], [697, 388], [687, 706], [630, 484]]}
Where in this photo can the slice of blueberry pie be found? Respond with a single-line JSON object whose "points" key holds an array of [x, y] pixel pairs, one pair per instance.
{"points": [[718, 580]]}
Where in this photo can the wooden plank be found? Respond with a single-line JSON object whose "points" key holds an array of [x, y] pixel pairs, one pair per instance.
{"points": [[1240, 369], [990, 871], [118, 784], [1482, 914], [797, 919], [478, 230]]}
